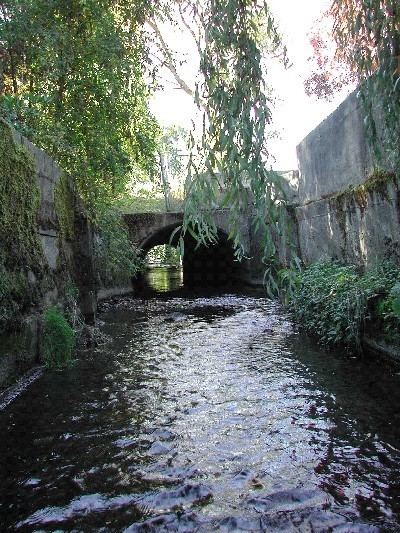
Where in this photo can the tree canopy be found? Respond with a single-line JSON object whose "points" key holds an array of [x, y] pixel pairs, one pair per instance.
{"points": [[76, 76], [73, 81]]}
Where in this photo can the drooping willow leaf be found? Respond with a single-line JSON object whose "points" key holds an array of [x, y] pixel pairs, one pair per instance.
{"points": [[367, 34], [230, 169]]}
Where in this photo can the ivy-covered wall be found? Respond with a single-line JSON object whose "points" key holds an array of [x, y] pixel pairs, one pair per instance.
{"points": [[22, 262]]}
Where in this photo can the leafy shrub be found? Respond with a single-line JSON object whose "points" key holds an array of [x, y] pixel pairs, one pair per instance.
{"points": [[334, 301], [58, 339], [14, 298], [395, 300], [387, 312], [117, 259]]}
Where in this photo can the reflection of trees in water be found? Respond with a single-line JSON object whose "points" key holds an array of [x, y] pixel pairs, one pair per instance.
{"points": [[164, 279], [164, 255]]}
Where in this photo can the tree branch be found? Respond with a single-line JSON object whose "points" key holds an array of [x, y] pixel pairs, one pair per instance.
{"points": [[169, 59]]}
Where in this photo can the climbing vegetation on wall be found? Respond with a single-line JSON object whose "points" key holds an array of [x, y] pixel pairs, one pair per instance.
{"points": [[20, 252], [19, 202]]}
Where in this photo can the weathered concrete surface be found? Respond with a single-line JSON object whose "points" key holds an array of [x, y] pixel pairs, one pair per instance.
{"points": [[332, 159], [335, 154], [64, 261], [353, 232], [147, 230]]}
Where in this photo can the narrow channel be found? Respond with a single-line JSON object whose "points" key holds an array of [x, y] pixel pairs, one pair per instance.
{"points": [[206, 411]]}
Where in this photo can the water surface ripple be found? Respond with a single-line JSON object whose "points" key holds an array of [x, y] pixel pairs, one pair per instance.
{"points": [[203, 414]]}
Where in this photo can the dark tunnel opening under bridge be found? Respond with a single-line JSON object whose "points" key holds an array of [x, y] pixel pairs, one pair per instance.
{"points": [[211, 265]]}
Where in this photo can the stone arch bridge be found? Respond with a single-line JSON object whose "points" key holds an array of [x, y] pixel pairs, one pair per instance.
{"points": [[213, 264]]}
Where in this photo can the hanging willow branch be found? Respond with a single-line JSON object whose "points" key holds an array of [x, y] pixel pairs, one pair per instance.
{"points": [[367, 34], [229, 169]]}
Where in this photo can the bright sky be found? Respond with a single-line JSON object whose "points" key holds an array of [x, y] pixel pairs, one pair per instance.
{"points": [[295, 114]]}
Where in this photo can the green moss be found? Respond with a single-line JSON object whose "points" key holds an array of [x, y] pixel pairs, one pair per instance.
{"points": [[64, 203], [376, 183], [21, 250], [58, 340], [14, 296], [19, 203]]}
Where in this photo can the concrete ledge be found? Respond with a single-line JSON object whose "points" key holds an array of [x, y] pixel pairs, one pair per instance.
{"points": [[103, 294], [350, 231], [380, 348]]}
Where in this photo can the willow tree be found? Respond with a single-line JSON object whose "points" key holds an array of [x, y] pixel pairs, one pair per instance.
{"points": [[74, 81], [367, 38], [229, 165]]}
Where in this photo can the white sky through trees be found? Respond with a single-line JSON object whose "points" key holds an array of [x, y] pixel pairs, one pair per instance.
{"points": [[295, 114]]}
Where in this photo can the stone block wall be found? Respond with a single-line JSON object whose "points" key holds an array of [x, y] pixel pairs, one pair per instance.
{"points": [[71, 256]]}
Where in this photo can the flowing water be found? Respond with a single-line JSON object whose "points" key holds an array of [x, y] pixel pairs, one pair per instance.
{"points": [[205, 412]]}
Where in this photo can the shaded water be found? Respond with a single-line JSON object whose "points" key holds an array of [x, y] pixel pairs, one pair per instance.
{"points": [[204, 413]]}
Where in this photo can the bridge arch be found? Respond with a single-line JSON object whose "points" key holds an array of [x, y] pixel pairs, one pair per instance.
{"points": [[202, 265]]}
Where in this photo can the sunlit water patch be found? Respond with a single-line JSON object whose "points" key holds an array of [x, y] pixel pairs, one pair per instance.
{"points": [[206, 413]]}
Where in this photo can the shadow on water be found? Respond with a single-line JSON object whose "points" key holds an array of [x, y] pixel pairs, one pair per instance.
{"points": [[207, 411]]}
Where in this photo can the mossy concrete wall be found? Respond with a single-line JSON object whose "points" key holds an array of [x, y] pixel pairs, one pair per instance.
{"points": [[347, 210], [66, 258]]}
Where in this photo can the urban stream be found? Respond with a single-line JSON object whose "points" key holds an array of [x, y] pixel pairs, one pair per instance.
{"points": [[204, 412]]}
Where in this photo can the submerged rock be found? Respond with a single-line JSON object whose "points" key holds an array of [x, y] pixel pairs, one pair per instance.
{"points": [[186, 522], [158, 448], [289, 500], [176, 499], [175, 317]]}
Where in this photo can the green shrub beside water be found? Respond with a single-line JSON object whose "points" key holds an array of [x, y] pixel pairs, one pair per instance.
{"points": [[337, 303], [58, 339], [118, 261]]}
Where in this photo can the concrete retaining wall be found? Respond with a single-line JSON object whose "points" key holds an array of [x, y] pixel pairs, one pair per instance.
{"points": [[335, 154], [64, 260], [359, 226]]}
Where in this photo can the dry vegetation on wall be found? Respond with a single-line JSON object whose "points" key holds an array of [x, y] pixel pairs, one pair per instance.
{"points": [[376, 183]]}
